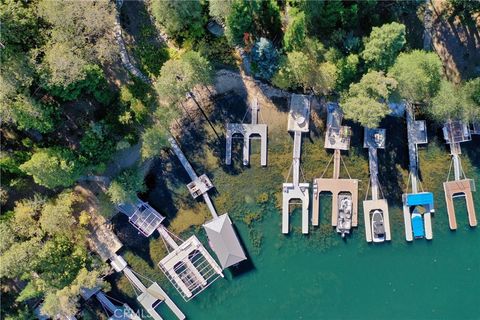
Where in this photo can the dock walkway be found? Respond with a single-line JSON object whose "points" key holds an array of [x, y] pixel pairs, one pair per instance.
{"points": [[417, 134], [298, 122]]}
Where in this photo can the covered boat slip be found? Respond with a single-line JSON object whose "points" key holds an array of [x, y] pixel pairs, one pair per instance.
{"points": [[416, 134], [410, 203], [375, 139], [188, 266], [247, 131], [298, 122], [224, 241]]}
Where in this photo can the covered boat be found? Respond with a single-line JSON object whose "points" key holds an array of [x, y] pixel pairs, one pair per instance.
{"points": [[417, 225]]}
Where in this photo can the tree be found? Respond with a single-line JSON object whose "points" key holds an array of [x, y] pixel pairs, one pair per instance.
{"points": [[19, 258], [366, 101], [180, 19], [264, 59], [80, 34], [179, 77], [19, 24], [220, 9], [298, 69], [53, 167], [126, 185], [295, 33], [418, 74], [57, 216], [383, 45], [154, 139], [347, 71], [259, 18], [457, 102]]}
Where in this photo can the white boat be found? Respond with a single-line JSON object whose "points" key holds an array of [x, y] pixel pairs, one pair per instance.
{"points": [[378, 227], [344, 219]]}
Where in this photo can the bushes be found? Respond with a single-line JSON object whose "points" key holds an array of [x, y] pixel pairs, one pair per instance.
{"points": [[93, 82]]}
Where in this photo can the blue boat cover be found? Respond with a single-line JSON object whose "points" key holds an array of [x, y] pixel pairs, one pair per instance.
{"points": [[420, 199], [417, 226]]}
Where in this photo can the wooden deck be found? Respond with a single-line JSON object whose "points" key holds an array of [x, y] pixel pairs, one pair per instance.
{"points": [[335, 186], [464, 188]]}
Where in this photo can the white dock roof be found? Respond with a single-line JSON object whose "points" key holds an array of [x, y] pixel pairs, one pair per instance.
{"points": [[224, 241]]}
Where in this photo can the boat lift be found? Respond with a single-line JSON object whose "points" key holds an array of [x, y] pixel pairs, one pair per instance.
{"points": [[454, 133], [222, 237], [375, 139], [247, 131], [298, 122], [344, 191], [418, 207]]}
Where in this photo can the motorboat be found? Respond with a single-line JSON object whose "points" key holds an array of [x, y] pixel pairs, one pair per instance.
{"points": [[378, 227], [344, 219]]}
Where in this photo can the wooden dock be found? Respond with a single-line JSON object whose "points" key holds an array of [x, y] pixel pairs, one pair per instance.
{"points": [[459, 188]]}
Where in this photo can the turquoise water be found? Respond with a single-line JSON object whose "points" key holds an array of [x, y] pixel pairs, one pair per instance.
{"points": [[320, 276]]}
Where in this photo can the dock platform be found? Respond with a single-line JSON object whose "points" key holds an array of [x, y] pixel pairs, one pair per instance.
{"points": [[248, 132], [298, 122], [459, 188]]}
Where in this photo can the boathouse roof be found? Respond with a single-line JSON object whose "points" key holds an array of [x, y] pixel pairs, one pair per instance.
{"points": [[224, 241]]}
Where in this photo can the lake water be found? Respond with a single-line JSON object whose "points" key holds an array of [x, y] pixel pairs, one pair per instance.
{"points": [[320, 276]]}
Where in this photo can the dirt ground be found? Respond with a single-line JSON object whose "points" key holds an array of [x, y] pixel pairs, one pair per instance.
{"points": [[457, 42]]}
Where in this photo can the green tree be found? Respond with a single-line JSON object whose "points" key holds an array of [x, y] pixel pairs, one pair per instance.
{"points": [[180, 19], [259, 18], [295, 33], [298, 69], [454, 102], [19, 258], [220, 9], [366, 101], [53, 167], [126, 185], [57, 216], [179, 78], [418, 74], [154, 139], [80, 34], [383, 45], [20, 24], [347, 71]]}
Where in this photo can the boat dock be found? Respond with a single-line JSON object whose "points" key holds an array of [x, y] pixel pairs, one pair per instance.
{"points": [[222, 237], [416, 202], [375, 139], [337, 137], [248, 132], [106, 244], [298, 122], [454, 133]]}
